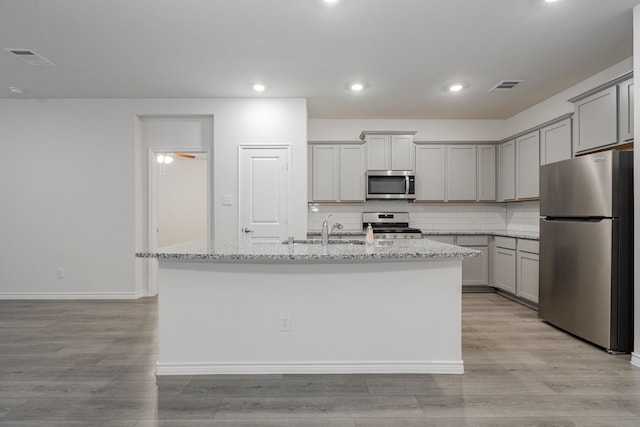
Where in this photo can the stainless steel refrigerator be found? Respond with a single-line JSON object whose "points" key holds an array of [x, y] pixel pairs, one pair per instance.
{"points": [[586, 248]]}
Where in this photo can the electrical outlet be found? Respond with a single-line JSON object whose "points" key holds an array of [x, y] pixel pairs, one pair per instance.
{"points": [[227, 200], [60, 273], [285, 322]]}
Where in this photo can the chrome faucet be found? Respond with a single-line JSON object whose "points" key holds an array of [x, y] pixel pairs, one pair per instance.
{"points": [[326, 231]]}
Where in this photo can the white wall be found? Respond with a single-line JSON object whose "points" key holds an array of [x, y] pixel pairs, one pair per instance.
{"points": [[558, 104], [73, 188], [427, 130]]}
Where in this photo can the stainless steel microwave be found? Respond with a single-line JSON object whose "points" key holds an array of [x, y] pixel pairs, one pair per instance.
{"points": [[391, 185]]}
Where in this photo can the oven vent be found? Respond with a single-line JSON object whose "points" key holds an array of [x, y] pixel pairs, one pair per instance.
{"points": [[505, 85], [31, 57]]}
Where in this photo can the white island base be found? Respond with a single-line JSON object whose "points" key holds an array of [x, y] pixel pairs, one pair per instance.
{"points": [[322, 317]]}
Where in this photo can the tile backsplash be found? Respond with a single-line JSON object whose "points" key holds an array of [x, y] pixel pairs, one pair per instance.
{"points": [[521, 216]]}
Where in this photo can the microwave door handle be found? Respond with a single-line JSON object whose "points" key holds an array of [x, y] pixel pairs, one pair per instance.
{"points": [[406, 186]]}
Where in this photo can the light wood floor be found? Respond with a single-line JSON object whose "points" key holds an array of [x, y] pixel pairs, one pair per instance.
{"points": [[92, 363]]}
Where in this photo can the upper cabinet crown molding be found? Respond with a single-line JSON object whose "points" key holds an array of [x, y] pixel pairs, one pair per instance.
{"points": [[364, 133], [607, 85]]}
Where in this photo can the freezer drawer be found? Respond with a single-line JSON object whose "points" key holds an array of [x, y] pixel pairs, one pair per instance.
{"points": [[579, 279]]}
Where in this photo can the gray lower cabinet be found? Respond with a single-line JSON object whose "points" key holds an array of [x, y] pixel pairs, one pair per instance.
{"points": [[527, 268], [475, 270], [504, 263]]}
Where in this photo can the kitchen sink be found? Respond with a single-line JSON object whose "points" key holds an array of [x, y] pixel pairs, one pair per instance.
{"points": [[331, 242]]}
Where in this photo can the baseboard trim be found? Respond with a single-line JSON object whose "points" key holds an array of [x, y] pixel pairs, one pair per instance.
{"points": [[454, 367], [70, 295], [635, 359]]}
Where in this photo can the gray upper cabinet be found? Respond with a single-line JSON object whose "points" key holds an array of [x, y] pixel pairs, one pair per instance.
{"points": [[486, 181], [389, 150], [461, 172], [604, 116], [352, 173], [337, 172], [555, 142], [528, 166], [596, 120], [430, 172], [507, 170], [625, 131]]}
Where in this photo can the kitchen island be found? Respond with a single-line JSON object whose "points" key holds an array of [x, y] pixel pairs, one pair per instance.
{"points": [[272, 308]]}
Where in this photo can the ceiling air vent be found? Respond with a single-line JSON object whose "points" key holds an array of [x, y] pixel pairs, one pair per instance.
{"points": [[30, 57], [505, 85]]}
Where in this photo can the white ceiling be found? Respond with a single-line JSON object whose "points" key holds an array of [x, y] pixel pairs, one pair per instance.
{"points": [[406, 50]]}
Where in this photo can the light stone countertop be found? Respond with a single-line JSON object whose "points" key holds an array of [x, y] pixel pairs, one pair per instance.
{"points": [[307, 251], [532, 235]]}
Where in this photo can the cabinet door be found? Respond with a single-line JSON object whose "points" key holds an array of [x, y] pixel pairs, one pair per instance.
{"points": [[528, 166], [378, 152], [475, 270], [461, 172], [596, 120], [325, 160], [352, 171], [555, 142], [402, 153], [430, 172], [528, 276], [505, 269], [508, 170], [486, 173], [626, 111]]}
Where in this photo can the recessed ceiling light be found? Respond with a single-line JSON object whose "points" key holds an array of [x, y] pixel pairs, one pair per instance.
{"points": [[550, 1], [259, 87], [455, 87], [331, 1], [357, 86], [17, 90]]}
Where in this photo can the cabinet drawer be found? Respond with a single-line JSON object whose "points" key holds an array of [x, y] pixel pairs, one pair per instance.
{"points": [[472, 241], [443, 239], [505, 242], [531, 246]]}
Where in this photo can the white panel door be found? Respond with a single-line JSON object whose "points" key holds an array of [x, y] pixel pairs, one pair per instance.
{"points": [[264, 193]]}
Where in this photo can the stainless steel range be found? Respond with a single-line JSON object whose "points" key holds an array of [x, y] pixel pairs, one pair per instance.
{"points": [[390, 225]]}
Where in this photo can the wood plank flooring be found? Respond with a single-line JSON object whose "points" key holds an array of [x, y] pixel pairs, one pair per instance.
{"points": [[91, 363]]}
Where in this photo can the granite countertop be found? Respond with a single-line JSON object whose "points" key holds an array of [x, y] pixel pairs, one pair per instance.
{"points": [[532, 235], [306, 250]]}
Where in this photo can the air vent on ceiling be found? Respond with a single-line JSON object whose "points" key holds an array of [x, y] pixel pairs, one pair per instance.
{"points": [[505, 85], [31, 57]]}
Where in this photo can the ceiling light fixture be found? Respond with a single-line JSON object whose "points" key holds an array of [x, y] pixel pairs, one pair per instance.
{"points": [[455, 87], [164, 159], [357, 86], [17, 90], [550, 1], [331, 1], [259, 87]]}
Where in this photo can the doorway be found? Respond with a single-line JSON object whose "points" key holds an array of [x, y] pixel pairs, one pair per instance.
{"points": [[264, 193]]}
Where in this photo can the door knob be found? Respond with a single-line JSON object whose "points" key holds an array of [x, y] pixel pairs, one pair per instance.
{"points": [[247, 230]]}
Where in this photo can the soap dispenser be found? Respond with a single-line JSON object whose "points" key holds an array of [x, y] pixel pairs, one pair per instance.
{"points": [[369, 235]]}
